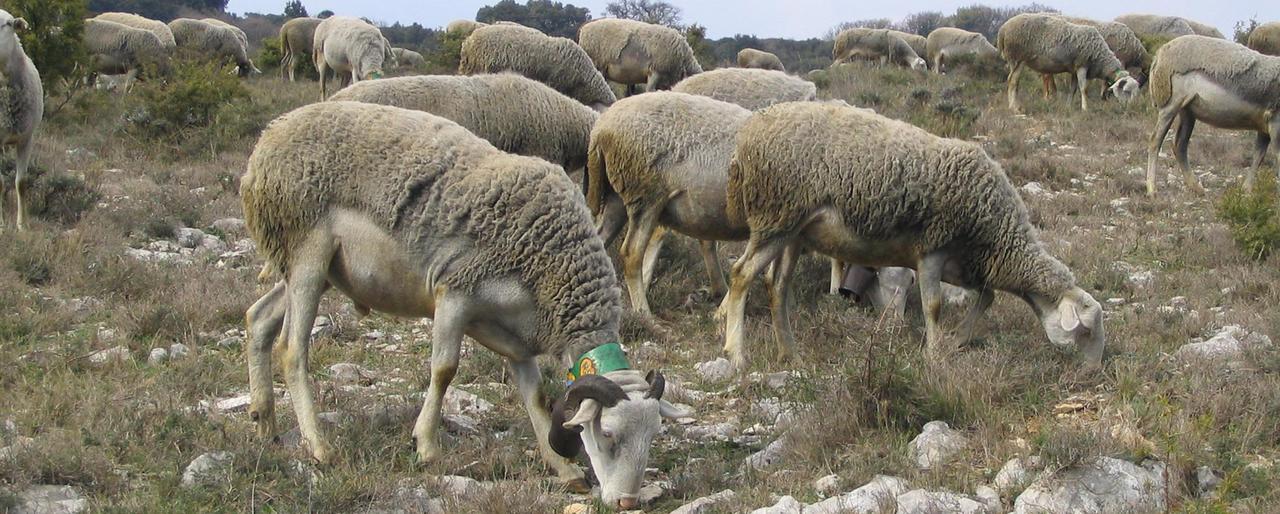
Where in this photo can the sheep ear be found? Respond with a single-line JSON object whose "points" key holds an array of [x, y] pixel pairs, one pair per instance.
{"points": [[587, 412], [19, 23], [567, 443], [1068, 316]]}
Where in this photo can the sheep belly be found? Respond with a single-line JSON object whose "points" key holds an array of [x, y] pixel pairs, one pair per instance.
{"points": [[1220, 107], [829, 235], [375, 270]]}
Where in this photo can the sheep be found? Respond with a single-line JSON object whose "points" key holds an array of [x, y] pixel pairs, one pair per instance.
{"points": [[516, 114], [463, 28], [1202, 29], [946, 42], [1199, 78], [296, 37], [1123, 42], [665, 156], [351, 47], [750, 88], [212, 41], [1265, 38], [408, 58], [919, 44], [873, 191], [116, 49], [633, 52], [1155, 25], [1049, 45], [23, 97], [410, 214], [240, 35], [874, 44], [752, 58], [139, 22], [555, 61]]}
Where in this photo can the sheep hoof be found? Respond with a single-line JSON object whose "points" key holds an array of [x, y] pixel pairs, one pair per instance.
{"points": [[323, 454]]}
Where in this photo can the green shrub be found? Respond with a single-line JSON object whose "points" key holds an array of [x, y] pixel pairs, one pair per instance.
{"points": [[200, 108], [54, 41], [1153, 43], [1253, 217], [450, 54]]}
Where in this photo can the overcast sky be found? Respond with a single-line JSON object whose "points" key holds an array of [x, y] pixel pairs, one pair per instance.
{"points": [[795, 19]]}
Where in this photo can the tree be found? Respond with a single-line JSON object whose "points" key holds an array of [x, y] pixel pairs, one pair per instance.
{"points": [[53, 40], [696, 36], [988, 20], [324, 14], [648, 11], [874, 23], [923, 22], [163, 10], [1244, 29], [294, 9], [552, 18]]}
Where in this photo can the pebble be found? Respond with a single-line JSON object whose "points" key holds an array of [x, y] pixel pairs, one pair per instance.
{"points": [[718, 370], [157, 356]]}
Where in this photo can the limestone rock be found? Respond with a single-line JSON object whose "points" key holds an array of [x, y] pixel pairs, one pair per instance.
{"points": [[1104, 485], [50, 499], [936, 445], [207, 469], [879, 495], [705, 504]]}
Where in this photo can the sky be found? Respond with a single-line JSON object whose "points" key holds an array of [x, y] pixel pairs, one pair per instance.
{"points": [[795, 19]]}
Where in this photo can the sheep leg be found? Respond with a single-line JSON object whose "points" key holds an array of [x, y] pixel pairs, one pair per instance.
{"points": [[610, 222], [284, 64], [305, 286], [322, 67], [1082, 86], [656, 241], [837, 276], [529, 381], [733, 310], [1015, 71], [929, 273], [448, 325], [1181, 141], [263, 322], [780, 301], [964, 332], [712, 260], [1164, 121], [20, 171], [1260, 145], [1050, 86], [641, 229]]}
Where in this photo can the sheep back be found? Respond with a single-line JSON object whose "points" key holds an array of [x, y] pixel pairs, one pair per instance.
{"points": [[1049, 44], [298, 34], [209, 40], [917, 42], [668, 52], [139, 22], [1253, 76], [872, 44], [554, 61], [349, 43], [1122, 41], [956, 41], [424, 179], [752, 58], [119, 48], [463, 28], [1265, 38], [1156, 25], [749, 88]]}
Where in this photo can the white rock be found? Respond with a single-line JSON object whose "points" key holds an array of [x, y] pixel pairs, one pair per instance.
{"points": [[49, 499], [767, 457], [988, 497], [1228, 344], [718, 370], [227, 225], [785, 505], [936, 445], [212, 245], [1016, 474], [706, 504], [1103, 486], [879, 495], [921, 501], [113, 354], [164, 247], [416, 500], [717, 432], [461, 424], [178, 351], [374, 335], [157, 356], [650, 493], [322, 327], [238, 403], [209, 468], [189, 237], [458, 401], [1036, 189], [1141, 279], [17, 445], [827, 486], [1207, 481], [460, 486], [108, 335], [348, 373]]}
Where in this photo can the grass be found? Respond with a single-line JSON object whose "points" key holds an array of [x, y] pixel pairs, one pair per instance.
{"points": [[123, 433]]}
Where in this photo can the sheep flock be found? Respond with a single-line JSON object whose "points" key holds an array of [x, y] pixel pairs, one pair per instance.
{"points": [[521, 217]]}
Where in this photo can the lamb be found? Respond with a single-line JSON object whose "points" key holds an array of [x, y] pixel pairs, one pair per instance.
{"points": [[873, 191], [516, 114], [1050, 45], [919, 44], [410, 214], [1123, 42], [1155, 25], [139, 22], [1198, 78], [665, 156], [213, 41], [24, 107], [752, 58], [633, 52], [116, 49], [1265, 38], [946, 42], [874, 44], [351, 47], [555, 61], [750, 88], [296, 39], [463, 28], [408, 58]]}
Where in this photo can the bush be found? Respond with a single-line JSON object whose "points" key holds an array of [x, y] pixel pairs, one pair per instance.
{"points": [[1253, 217], [1153, 43], [450, 54], [54, 41], [272, 53], [200, 108]]}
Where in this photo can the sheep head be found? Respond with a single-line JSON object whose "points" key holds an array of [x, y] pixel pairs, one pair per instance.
{"points": [[1125, 88], [616, 427], [9, 27], [1073, 319]]}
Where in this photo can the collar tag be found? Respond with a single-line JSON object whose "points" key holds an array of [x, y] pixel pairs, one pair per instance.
{"points": [[603, 359]]}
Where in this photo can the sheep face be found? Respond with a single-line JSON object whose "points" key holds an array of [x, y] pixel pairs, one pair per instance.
{"points": [[9, 27], [918, 64], [1075, 320], [371, 61], [1125, 89]]}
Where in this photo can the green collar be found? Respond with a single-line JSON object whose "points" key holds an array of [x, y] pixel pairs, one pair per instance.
{"points": [[603, 359]]}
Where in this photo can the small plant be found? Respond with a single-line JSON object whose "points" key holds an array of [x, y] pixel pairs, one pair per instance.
{"points": [[200, 108], [1252, 216], [450, 53]]}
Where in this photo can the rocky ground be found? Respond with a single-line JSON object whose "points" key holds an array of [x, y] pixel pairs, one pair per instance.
{"points": [[127, 388]]}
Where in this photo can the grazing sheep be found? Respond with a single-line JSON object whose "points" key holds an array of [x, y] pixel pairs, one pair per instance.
{"points": [[296, 39], [555, 61], [633, 52], [1198, 78], [463, 28], [665, 156], [213, 41], [406, 58], [946, 42], [1155, 25], [1051, 45], [116, 49], [752, 58], [1202, 29], [873, 191], [1265, 38], [240, 35], [516, 114], [24, 108], [351, 47], [876, 45], [1123, 42], [139, 22], [410, 214], [750, 88], [919, 44]]}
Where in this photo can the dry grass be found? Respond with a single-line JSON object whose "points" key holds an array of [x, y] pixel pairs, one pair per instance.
{"points": [[123, 433]]}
